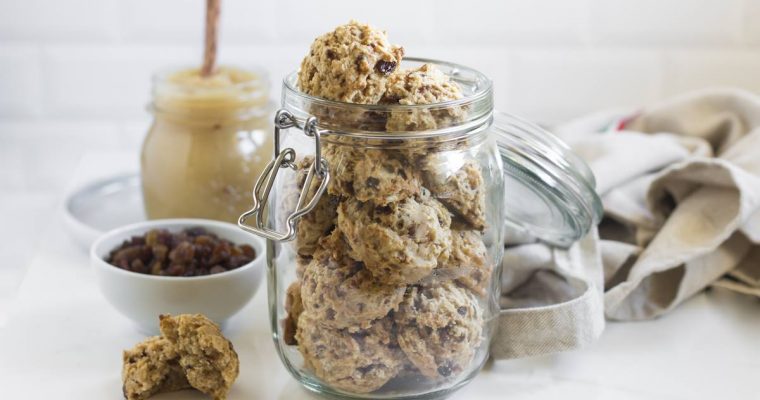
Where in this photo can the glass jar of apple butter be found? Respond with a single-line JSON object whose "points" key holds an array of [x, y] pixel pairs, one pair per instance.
{"points": [[208, 142]]}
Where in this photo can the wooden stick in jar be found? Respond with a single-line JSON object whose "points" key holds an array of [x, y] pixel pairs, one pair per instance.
{"points": [[210, 39]]}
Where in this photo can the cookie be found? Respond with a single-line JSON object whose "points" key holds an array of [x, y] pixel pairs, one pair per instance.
{"points": [[469, 258], [151, 367], [301, 263], [423, 85], [439, 329], [463, 192], [319, 221], [353, 361], [341, 292], [380, 176], [400, 243], [293, 308], [350, 64], [207, 357]]}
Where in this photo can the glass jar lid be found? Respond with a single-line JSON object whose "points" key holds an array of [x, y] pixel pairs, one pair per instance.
{"points": [[550, 191]]}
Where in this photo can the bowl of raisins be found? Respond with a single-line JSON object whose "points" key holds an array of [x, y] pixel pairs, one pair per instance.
{"points": [[178, 266]]}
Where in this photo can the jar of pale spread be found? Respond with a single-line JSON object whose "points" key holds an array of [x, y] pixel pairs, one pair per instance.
{"points": [[208, 142]]}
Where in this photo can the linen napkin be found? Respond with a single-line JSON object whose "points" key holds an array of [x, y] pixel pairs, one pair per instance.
{"points": [[680, 184]]}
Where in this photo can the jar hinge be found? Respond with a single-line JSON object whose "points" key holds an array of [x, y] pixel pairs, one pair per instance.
{"points": [[286, 159]]}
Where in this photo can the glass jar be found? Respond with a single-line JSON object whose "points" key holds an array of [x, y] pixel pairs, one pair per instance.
{"points": [[208, 142], [384, 254]]}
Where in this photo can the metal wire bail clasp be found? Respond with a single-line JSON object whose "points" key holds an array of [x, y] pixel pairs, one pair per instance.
{"points": [[286, 159]]}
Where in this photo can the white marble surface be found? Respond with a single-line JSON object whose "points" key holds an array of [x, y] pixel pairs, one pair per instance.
{"points": [[61, 340]]}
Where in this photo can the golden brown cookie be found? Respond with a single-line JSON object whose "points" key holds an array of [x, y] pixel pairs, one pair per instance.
{"points": [[207, 357], [301, 264], [380, 176], [423, 85], [399, 243], [350, 64], [341, 292], [317, 222], [439, 329], [151, 367], [294, 308], [470, 258], [354, 361], [463, 191]]}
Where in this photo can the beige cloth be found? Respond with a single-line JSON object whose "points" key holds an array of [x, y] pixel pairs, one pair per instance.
{"points": [[552, 299], [681, 192]]}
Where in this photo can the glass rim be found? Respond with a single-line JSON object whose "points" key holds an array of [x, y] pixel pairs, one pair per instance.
{"points": [[477, 100], [289, 84]]}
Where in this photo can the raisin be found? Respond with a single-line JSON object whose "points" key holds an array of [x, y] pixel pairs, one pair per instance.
{"points": [[160, 252], [373, 182], [176, 270], [156, 269], [220, 254], [248, 251], [385, 67], [138, 266], [151, 238], [366, 369], [196, 231], [445, 370], [204, 240], [238, 261], [184, 252]]}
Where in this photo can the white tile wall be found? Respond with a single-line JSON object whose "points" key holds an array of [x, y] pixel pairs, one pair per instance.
{"points": [[515, 22], [55, 20], [244, 21], [46, 152], [90, 81], [91, 60], [687, 70], [689, 22], [545, 81], [750, 18], [20, 81]]}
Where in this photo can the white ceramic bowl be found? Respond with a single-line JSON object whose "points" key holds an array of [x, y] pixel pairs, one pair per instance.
{"points": [[142, 297]]}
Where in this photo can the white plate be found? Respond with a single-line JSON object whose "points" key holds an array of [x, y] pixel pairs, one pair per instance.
{"points": [[98, 207]]}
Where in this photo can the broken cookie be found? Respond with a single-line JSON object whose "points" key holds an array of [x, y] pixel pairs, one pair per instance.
{"points": [[151, 367], [190, 353], [207, 357]]}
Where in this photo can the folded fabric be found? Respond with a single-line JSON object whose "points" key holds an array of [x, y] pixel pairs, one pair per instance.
{"points": [[680, 183]]}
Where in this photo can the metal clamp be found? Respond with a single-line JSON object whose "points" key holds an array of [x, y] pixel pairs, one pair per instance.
{"points": [[285, 159]]}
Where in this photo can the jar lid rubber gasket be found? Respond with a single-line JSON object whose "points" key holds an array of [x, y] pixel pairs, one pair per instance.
{"points": [[549, 190]]}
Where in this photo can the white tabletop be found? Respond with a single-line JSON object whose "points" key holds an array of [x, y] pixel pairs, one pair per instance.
{"points": [[63, 341]]}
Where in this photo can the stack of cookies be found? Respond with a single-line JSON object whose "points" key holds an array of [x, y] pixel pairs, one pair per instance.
{"points": [[392, 272]]}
